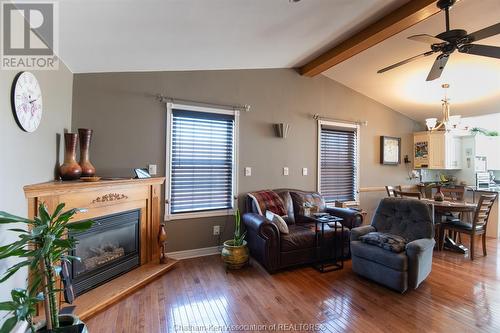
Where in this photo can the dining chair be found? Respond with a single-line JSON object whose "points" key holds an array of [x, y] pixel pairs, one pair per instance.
{"points": [[404, 194], [390, 190], [478, 225], [453, 194]]}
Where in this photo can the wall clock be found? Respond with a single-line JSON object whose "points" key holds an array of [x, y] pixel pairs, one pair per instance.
{"points": [[27, 101]]}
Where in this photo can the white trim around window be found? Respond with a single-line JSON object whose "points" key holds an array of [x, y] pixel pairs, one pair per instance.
{"points": [[168, 165], [341, 125]]}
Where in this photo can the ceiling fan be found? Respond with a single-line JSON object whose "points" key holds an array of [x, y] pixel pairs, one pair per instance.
{"points": [[450, 41]]}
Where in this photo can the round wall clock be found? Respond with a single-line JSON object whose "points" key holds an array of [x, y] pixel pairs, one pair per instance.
{"points": [[27, 101]]}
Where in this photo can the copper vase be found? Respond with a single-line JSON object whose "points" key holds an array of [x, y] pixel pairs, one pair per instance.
{"points": [[85, 134], [70, 169]]}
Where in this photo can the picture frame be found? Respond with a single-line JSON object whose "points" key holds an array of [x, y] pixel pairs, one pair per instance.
{"points": [[390, 150]]}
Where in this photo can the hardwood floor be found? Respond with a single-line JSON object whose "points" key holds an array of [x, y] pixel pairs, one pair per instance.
{"points": [[459, 296]]}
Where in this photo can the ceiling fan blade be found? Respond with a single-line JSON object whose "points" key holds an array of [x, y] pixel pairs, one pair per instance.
{"points": [[405, 61], [437, 67], [481, 50], [427, 39], [484, 33]]}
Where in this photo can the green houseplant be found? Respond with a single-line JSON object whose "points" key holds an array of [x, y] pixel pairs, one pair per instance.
{"points": [[235, 252], [41, 248]]}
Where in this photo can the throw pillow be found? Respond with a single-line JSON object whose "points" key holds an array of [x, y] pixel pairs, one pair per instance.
{"points": [[390, 242], [279, 221], [268, 200]]}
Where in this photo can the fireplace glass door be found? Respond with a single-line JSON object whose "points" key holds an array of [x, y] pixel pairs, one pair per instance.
{"points": [[108, 249]]}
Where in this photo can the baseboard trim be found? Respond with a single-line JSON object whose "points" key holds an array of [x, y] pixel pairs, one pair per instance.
{"points": [[194, 253]]}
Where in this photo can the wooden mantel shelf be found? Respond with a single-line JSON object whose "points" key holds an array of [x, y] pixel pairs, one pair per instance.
{"points": [[61, 187], [103, 198]]}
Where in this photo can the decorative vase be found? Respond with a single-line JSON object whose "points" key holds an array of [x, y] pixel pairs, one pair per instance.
{"points": [[85, 134], [235, 257], [439, 196], [70, 170]]}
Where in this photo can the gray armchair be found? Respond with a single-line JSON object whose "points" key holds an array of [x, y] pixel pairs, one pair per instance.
{"points": [[408, 218]]}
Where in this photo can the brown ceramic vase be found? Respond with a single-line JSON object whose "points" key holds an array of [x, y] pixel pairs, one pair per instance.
{"points": [[70, 169], [85, 134]]}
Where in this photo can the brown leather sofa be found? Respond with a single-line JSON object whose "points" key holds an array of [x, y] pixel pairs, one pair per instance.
{"points": [[275, 250]]}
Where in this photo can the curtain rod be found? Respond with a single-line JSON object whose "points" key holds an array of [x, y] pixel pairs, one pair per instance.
{"points": [[166, 99], [358, 122]]}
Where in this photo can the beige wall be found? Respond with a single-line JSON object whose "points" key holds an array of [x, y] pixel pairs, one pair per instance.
{"points": [[28, 158], [130, 132]]}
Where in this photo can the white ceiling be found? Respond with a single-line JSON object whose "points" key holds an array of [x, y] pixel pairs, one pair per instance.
{"points": [[153, 35], [474, 80]]}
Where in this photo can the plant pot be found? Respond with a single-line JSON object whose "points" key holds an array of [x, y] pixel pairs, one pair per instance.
{"points": [[439, 196], [67, 324], [70, 170], [85, 135], [235, 257]]}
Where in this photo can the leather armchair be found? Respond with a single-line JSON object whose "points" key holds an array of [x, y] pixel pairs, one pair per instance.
{"points": [[410, 219], [274, 250]]}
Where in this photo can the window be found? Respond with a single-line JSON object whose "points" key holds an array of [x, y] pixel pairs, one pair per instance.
{"points": [[201, 151], [338, 161]]}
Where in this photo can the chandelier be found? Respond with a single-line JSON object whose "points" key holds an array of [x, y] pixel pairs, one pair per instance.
{"points": [[448, 122]]}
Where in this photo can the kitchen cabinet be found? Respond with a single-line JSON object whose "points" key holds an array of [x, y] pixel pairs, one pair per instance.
{"points": [[489, 147], [437, 150]]}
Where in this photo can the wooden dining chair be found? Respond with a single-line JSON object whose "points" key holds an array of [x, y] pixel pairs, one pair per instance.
{"points": [[478, 225], [390, 190], [404, 194], [453, 193]]}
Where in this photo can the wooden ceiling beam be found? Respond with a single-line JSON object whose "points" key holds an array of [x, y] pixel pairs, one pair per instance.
{"points": [[400, 19]]}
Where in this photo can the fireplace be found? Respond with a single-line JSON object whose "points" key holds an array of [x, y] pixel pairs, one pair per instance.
{"points": [[108, 249]]}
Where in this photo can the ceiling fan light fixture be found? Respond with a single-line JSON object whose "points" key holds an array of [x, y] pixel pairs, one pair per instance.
{"points": [[451, 40]]}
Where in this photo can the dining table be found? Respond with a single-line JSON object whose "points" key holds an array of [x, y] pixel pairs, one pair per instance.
{"points": [[441, 208]]}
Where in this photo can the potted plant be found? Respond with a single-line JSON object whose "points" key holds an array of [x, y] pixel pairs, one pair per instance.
{"points": [[43, 248], [235, 251]]}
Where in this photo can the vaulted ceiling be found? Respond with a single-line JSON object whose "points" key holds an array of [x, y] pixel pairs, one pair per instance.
{"points": [[160, 35], [153, 35]]}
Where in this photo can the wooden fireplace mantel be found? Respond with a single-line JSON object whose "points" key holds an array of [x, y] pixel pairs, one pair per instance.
{"points": [[103, 198]]}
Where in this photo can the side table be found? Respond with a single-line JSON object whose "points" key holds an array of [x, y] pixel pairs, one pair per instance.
{"points": [[326, 262]]}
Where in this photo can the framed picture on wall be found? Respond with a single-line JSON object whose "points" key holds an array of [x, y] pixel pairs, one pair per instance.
{"points": [[390, 150]]}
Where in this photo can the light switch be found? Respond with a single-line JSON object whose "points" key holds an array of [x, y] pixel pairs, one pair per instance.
{"points": [[285, 171], [248, 171], [152, 169], [304, 171]]}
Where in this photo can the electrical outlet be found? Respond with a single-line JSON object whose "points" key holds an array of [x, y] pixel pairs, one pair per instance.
{"points": [[152, 169], [216, 230], [285, 171], [304, 171], [248, 171]]}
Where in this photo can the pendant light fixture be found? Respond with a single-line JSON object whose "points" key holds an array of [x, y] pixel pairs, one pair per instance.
{"points": [[449, 122]]}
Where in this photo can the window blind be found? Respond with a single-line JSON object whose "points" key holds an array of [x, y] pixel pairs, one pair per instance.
{"points": [[201, 161], [338, 164]]}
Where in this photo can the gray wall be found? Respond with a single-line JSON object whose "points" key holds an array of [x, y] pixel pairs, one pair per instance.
{"points": [[28, 158], [130, 132]]}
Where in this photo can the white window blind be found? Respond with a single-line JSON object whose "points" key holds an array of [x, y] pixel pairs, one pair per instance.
{"points": [[202, 161], [338, 163]]}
